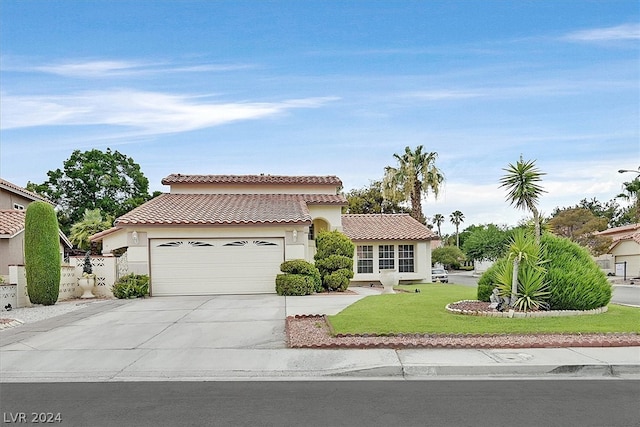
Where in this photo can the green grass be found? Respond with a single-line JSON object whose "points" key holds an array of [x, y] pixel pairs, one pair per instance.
{"points": [[425, 312]]}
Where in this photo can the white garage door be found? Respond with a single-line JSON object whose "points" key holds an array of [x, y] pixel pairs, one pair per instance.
{"points": [[215, 266]]}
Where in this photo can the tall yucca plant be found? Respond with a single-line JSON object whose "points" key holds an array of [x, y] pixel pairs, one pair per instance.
{"points": [[522, 249], [521, 182], [42, 253]]}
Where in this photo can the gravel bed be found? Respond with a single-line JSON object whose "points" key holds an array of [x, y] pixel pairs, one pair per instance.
{"points": [[314, 332], [38, 312]]}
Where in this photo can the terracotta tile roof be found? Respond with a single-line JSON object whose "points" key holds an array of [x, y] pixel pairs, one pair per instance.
{"points": [[100, 235], [223, 209], [324, 199], [251, 179], [623, 230], [11, 222], [384, 227], [9, 186]]}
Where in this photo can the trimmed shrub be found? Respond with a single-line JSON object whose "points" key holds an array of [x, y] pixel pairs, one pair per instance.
{"points": [[334, 259], [575, 280], [288, 284], [42, 253], [304, 268], [131, 286], [338, 280], [489, 279]]}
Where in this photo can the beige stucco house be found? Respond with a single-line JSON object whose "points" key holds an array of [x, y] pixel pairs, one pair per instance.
{"points": [[13, 204], [624, 249], [228, 234]]}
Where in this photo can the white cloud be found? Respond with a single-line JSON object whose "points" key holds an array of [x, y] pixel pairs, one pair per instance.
{"points": [[148, 112], [619, 32], [114, 68]]}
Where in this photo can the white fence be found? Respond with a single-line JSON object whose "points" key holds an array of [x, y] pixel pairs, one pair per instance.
{"points": [[15, 292]]}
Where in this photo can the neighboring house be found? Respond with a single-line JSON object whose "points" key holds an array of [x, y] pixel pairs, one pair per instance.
{"points": [[624, 249], [13, 204], [389, 241], [228, 234]]}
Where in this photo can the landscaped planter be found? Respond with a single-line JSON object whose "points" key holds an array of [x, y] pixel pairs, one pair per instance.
{"points": [[87, 284]]}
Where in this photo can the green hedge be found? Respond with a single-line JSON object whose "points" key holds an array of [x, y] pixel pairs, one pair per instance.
{"points": [[300, 266], [574, 279], [42, 253], [131, 286], [334, 259], [288, 284]]}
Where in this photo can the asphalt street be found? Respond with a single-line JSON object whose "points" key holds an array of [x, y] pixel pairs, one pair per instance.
{"points": [[566, 403]]}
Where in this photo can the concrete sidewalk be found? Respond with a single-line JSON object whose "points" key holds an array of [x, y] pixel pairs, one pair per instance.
{"points": [[242, 337]]}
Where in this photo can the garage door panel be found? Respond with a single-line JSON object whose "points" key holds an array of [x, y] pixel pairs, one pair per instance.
{"points": [[215, 266]]}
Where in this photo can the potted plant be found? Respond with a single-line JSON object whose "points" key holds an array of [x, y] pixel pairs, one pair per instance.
{"points": [[88, 279]]}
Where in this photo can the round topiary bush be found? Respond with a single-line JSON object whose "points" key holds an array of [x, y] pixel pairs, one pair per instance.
{"points": [[574, 280], [294, 284], [334, 259], [300, 266], [42, 253]]}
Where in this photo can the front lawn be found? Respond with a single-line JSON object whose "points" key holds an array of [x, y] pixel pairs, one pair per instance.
{"points": [[425, 313]]}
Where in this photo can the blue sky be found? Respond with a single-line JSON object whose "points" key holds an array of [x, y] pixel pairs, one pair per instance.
{"points": [[330, 87]]}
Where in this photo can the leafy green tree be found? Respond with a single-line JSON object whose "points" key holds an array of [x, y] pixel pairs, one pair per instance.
{"points": [[370, 200], [416, 175], [92, 223], [580, 225], [437, 220], [521, 181], [42, 253], [456, 219], [486, 242], [334, 259], [109, 181], [448, 256]]}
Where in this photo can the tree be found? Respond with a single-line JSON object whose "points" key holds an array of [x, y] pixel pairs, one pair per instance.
{"points": [[580, 226], [109, 181], [370, 200], [456, 219], [631, 193], [92, 223], [521, 182], [448, 256], [438, 219], [416, 175], [334, 259], [42, 253], [486, 242]]}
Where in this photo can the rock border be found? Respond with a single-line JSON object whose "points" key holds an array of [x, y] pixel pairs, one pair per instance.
{"points": [[522, 314]]}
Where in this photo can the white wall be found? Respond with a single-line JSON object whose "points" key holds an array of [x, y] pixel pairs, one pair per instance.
{"points": [[422, 261]]}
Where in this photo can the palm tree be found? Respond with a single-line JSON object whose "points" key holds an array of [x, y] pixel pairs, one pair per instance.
{"points": [[91, 224], [438, 219], [456, 219], [415, 175], [632, 194], [521, 182]]}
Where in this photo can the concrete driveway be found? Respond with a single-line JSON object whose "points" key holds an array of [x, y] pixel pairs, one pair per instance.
{"points": [[181, 322]]}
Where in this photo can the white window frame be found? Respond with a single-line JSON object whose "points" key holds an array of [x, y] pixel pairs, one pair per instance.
{"points": [[406, 258], [364, 259]]}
